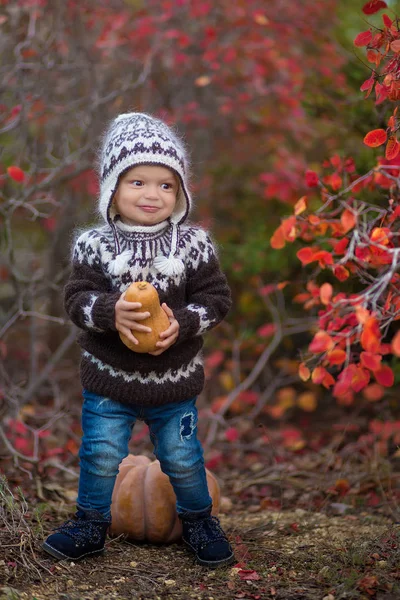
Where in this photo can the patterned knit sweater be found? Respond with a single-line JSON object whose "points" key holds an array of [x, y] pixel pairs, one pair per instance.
{"points": [[199, 298]]}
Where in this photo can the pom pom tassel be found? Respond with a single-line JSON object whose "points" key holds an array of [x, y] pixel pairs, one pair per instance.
{"points": [[119, 264], [169, 265]]}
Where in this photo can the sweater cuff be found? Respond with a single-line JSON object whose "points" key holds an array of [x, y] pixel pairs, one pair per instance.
{"points": [[189, 324], [104, 311]]}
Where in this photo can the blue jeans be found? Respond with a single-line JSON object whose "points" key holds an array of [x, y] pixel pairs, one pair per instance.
{"points": [[107, 428]]}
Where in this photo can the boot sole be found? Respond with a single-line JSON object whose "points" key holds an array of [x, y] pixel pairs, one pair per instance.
{"points": [[213, 564], [57, 554]]}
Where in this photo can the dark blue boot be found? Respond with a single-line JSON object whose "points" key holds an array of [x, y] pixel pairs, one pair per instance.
{"points": [[84, 535], [206, 538]]}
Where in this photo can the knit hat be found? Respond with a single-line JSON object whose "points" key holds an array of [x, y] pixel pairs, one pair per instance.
{"points": [[135, 139]]}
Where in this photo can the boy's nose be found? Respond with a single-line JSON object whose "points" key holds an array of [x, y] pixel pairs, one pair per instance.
{"points": [[151, 192]]}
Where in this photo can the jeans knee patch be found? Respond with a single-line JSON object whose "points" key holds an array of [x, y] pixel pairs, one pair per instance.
{"points": [[187, 426]]}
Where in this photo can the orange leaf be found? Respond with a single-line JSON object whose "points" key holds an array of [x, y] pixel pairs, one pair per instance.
{"points": [[370, 361], [307, 401], [288, 228], [392, 148], [384, 376], [336, 357], [203, 80], [321, 342], [362, 314], [328, 381], [375, 138], [318, 374], [277, 240], [371, 336], [373, 392], [363, 39], [396, 344], [348, 220], [300, 205], [305, 255], [325, 293], [304, 372]]}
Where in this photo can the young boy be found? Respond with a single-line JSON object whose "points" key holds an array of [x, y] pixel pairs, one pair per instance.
{"points": [[145, 202]]}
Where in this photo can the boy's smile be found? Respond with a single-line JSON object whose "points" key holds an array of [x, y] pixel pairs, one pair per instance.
{"points": [[146, 195]]}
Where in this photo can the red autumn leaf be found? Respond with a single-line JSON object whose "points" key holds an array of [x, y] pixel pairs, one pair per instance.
{"points": [[266, 330], [305, 255], [395, 46], [360, 379], [392, 148], [304, 372], [288, 228], [232, 434], [248, 575], [368, 86], [318, 374], [335, 181], [363, 39], [370, 361], [336, 357], [387, 21], [341, 273], [348, 220], [311, 179], [277, 240], [372, 7], [396, 344], [321, 342], [328, 381], [16, 173], [384, 376], [324, 258], [375, 138], [343, 383], [373, 392], [340, 247]]}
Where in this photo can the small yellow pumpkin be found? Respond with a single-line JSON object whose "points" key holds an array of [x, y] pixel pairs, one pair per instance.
{"points": [[144, 292], [144, 503]]}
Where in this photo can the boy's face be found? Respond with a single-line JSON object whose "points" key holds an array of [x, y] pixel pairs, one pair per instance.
{"points": [[146, 195]]}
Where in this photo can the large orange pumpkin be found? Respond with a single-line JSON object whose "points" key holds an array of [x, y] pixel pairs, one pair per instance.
{"points": [[144, 503]]}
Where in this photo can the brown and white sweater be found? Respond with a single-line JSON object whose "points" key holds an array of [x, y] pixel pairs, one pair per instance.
{"points": [[200, 298]]}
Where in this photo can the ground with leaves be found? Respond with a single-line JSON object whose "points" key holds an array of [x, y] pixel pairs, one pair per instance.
{"points": [[312, 526]]}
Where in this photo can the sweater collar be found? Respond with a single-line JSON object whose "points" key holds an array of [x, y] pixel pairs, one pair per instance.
{"points": [[142, 229]]}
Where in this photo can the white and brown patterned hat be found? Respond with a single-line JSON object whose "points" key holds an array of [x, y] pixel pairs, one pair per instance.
{"points": [[139, 139]]}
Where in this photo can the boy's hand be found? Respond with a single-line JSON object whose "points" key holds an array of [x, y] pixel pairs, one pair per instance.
{"points": [[168, 336], [127, 317]]}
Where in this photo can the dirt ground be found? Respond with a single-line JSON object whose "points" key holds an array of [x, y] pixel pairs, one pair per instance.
{"points": [[283, 555]]}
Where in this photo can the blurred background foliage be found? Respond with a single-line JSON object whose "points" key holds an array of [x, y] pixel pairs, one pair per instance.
{"points": [[260, 91]]}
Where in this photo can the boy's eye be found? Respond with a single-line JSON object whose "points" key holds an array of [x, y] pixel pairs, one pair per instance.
{"points": [[166, 186], [136, 182]]}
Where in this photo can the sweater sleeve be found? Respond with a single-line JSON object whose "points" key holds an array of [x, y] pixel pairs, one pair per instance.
{"points": [[208, 295], [88, 297]]}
